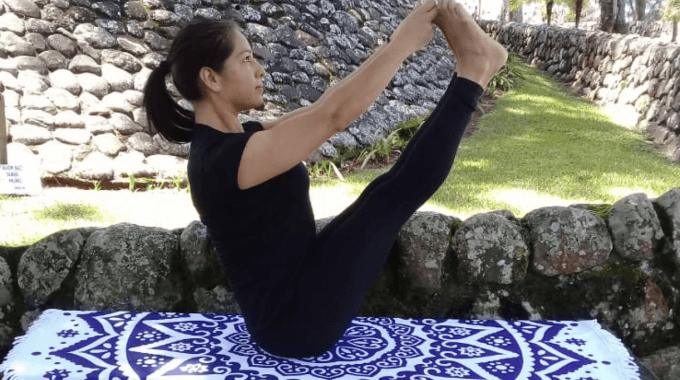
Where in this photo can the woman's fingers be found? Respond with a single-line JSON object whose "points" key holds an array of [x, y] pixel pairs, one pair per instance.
{"points": [[430, 8], [426, 5]]}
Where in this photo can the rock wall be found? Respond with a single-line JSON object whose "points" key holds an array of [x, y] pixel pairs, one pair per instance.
{"points": [[72, 72], [617, 263], [654, 29], [639, 76]]}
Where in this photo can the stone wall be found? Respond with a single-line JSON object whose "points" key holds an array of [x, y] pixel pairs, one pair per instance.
{"points": [[615, 263], [72, 72], [654, 29], [639, 76]]}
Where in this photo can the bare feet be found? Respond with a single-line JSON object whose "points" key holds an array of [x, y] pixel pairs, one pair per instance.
{"points": [[478, 55]]}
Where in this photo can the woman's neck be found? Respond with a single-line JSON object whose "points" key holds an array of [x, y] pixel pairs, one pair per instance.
{"points": [[222, 120]]}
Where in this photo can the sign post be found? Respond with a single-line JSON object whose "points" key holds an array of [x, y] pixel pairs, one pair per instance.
{"points": [[3, 132], [15, 179]]}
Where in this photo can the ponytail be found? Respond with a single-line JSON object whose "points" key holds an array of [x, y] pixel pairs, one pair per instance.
{"points": [[171, 120], [199, 44]]}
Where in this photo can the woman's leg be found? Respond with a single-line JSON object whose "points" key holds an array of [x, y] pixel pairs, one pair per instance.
{"points": [[351, 250]]}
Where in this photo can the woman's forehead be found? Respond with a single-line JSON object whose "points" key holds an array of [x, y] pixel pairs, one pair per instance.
{"points": [[241, 42]]}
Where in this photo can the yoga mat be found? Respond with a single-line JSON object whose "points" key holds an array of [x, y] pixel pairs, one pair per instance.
{"points": [[121, 345]]}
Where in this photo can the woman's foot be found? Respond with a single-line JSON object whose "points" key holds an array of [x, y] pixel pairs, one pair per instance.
{"points": [[478, 55]]}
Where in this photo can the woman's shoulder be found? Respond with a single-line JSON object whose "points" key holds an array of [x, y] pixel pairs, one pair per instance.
{"points": [[248, 126]]}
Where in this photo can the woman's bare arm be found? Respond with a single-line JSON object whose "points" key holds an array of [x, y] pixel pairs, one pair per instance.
{"points": [[293, 137]]}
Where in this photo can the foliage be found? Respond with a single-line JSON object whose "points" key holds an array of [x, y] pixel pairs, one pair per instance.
{"points": [[571, 5], [670, 10], [132, 180], [324, 170], [178, 180], [97, 185], [506, 78], [381, 150], [395, 142], [154, 184]]}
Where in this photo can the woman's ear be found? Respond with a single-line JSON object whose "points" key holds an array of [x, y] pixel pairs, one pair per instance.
{"points": [[208, 78]]}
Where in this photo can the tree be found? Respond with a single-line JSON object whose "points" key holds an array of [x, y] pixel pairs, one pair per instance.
{"points": [[548, 9], [671, 11], [572, 4], [516, 4], [612, 16], [577, 7], [640, 6], [505, 11]]}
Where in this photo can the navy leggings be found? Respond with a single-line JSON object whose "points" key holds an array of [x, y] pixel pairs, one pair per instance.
{"points": [[351, 250]]}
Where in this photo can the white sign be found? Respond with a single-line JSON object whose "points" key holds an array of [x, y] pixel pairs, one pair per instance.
{"points": [[19, 179]]}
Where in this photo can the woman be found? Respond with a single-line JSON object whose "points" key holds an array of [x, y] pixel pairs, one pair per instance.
{"points": [[298, 291]]}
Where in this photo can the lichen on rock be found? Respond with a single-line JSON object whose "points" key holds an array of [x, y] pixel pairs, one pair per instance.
{"points": [[490, 248], [567, 240], [129, 267], [636, 230]]}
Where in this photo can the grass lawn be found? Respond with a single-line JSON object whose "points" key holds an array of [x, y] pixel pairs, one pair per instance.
{"points": [[540, 146]]}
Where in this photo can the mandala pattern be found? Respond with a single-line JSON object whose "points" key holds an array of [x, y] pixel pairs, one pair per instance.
{"points": [[65, 345]]}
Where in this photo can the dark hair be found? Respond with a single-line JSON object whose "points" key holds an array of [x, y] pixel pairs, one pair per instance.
{"points": [[199, 44]]}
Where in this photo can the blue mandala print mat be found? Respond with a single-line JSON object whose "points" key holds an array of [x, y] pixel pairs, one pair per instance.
{"points": [[139, 345]]}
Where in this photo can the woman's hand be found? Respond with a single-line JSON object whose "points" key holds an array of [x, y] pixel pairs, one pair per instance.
{"points": [[416, 29]]}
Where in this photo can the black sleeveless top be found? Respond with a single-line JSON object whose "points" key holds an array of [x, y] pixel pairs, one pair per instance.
{"points": [[262, 234]]}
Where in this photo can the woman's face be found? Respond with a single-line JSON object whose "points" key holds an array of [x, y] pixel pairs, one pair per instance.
{"points": [[240, 81]]}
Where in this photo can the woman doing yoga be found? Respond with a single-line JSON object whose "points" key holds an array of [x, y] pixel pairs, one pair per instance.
{"points": [[299, 292]]}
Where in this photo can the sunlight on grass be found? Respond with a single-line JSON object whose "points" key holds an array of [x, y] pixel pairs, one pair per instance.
{"points": [[623, 116], [527, 200], [27, 227], [539, 146], [620, 192], [475, 164], [329, 198]]}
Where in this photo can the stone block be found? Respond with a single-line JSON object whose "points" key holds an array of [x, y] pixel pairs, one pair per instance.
{"points": [[422, 244], [129, 267], [567, 240], [635, 227], [490, 249], [44, 266]]}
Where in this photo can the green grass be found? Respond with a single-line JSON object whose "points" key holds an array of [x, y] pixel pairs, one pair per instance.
{"points": [[69, 212], [540, 144], [45, 221]]}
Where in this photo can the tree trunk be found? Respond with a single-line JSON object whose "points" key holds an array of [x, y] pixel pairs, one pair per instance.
{"points": [[578, 5], [675, 30], [607, 15], [516, 15], [620, 20], [640, 6], [505, 11], [548, 10]]}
